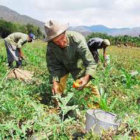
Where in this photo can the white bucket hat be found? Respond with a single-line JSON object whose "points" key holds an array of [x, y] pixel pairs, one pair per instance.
{"points": [[54, 29], [106, 42]]}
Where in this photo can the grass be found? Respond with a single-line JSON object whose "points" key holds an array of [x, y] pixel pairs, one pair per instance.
{"points": [[25, 108]]}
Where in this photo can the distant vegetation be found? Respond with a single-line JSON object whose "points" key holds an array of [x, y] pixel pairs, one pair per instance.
{"points": [[7, 28], [118, 40]]}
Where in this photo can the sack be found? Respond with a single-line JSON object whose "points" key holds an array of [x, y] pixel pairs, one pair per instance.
{"points": [[19, 74]]}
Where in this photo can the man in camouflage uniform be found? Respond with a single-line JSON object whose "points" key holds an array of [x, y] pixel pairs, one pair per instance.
{"points": [[13, 44], [67, 52], [95, 44]]}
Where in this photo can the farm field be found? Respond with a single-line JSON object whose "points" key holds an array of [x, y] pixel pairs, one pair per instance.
{"points": [[26, 109]]}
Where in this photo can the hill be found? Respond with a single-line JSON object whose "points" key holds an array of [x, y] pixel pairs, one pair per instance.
{"points": [[10, 15]]}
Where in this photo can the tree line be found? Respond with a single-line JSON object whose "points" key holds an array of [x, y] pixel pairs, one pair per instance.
{"points": [[125, 40], [7, 28]]}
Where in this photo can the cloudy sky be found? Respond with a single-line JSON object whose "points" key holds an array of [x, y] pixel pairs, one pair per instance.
{"points": [[111, 13]]}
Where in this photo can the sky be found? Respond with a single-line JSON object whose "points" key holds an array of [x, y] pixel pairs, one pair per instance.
{"points": [[111, 13]]}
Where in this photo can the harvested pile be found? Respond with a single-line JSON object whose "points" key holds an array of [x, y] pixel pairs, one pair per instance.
{"points": [[19, 74]]}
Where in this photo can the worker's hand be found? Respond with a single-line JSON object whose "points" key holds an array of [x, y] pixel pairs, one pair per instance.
{"points": [[105, 63], [83, 82], [22, 57], [55, 87], [106, 60]]}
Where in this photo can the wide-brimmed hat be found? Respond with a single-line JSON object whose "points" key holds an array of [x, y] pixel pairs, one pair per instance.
{"points": [[54, 29], [106, 42]]}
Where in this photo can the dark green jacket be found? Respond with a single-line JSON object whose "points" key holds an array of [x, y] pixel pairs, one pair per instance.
{"points": [[75, 58]]}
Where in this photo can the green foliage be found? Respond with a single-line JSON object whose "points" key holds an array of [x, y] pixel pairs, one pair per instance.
{"points": [[33, 29], [25, 108], [128, 79], [7, 28], [101, 35], [104, 103], [62, 102], [118, 40]]}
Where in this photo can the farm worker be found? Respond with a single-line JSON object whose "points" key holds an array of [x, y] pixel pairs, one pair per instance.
{"points": [[98, 43], [67, 52], [13, 44]]}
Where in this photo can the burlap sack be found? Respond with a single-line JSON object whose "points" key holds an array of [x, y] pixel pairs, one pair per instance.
{"points": [[19, 74]]}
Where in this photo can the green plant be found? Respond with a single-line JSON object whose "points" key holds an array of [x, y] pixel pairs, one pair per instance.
{"points": [[62, 103], [105, 105], [25, 108], [127, 78]]}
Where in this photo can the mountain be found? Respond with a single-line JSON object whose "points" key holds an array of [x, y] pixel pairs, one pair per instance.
{"points": [[10, 15], [111, 31]]}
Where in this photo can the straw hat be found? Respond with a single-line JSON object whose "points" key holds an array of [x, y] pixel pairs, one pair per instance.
{"points": [[54, 29], [106, 42]]}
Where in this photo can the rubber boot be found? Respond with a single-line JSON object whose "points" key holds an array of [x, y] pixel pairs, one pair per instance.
{"points": [[10, 65], [18, 63]]}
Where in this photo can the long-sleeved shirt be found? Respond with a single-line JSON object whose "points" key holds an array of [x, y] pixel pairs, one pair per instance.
{"points": [[17, 39], [75, 58], [95, 43]]}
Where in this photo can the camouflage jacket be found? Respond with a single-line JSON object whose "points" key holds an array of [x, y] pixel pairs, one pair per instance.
{"points": [[95, 43], [17, 39]]}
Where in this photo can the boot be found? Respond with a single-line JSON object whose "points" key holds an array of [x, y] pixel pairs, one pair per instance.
{"points": [[18, 63], [10, 65]]}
